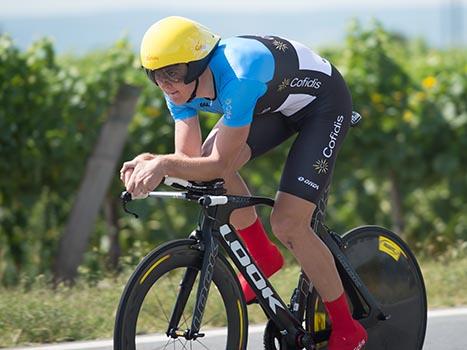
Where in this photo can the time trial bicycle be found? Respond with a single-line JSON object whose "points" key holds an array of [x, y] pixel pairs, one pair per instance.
{"points": [[185, 288]]}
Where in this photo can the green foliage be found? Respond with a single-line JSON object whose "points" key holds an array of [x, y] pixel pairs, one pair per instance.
{"points": [[411, 140], [407, 154], [50, 116], [38, 315]]}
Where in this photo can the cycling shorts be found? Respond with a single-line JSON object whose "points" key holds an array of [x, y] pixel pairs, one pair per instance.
{"points": [[320, 129]]}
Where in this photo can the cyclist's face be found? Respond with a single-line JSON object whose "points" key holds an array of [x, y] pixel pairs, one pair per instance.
{"points": [[171, 80]]}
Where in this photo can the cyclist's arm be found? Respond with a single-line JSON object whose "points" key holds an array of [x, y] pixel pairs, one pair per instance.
{"points": [[238, 98], [188, 137], [223, 159]]}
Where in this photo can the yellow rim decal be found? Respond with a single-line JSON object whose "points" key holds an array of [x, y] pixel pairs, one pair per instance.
{"points": [[153, 267], [320, 319], [241, 324], [391, 248]]}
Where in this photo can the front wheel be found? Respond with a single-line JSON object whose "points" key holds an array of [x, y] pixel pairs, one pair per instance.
{"points": [[151, 295], [391, 273]]}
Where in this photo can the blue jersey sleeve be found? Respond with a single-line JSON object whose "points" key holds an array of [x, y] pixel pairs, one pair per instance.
{"points": [[238, 99], [180, 112]]}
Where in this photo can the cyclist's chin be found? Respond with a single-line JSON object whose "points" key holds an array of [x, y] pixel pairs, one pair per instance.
{"points": [[178, 98]]}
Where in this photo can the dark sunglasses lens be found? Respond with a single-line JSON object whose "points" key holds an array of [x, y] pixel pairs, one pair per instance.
{"points": [[174, 74], [150, 74]]}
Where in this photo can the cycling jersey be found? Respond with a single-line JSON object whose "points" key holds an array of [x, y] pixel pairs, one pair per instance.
{"points": [[255, 75], [281, 88]]}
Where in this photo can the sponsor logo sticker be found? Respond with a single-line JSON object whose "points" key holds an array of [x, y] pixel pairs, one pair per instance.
{"points": [[321, 166], [308, 182], [228, 108], [308, 82], [283, 84], [336, 129], [280, 45]]}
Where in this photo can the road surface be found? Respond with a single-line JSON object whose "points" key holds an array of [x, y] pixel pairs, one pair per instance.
{"points": [[446, 330]]}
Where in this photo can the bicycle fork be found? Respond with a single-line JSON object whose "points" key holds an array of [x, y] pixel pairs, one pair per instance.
{"points": [[211, 249]]}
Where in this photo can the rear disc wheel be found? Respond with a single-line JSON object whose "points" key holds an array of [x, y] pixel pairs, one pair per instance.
{"points": [[391, 273]]}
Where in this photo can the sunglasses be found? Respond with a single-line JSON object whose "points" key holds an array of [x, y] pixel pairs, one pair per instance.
{"points": [[175, 73]]}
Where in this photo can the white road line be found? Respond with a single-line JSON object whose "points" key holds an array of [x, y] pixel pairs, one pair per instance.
{"points": [[447, 312]]}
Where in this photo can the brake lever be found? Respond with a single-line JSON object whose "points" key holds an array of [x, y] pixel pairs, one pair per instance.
{"points": [[126, 198], [204, 203]]}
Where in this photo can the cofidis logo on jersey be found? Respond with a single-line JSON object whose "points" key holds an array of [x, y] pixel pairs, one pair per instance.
{"points": [[308, 82], [336, 129]]}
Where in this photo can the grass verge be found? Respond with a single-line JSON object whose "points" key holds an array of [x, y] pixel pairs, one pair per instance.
{"points": [[39, 315]]}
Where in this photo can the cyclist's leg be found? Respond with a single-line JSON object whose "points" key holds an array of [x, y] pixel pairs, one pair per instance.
{"points": [[246, 221], [291, 224], [301, 186], [278, 131], [306, 174]]}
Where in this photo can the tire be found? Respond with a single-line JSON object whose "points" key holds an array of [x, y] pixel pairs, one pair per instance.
{"points": [[149, 297], [391, 273], [272, 338]]}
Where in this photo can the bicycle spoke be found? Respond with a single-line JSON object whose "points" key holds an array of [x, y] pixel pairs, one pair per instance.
{"points": [[182, 343], [185, 321], [164, 346], [153, 313], [204, 346], [210, 319], [156, 316], [162, 307]]}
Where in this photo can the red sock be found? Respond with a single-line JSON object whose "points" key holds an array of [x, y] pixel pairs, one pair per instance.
{"points": [[267, 256], [339, 313], [347, 333]]}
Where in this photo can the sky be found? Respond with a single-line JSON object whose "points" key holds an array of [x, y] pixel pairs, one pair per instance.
{"points": [[35, 8], [84, 25]]}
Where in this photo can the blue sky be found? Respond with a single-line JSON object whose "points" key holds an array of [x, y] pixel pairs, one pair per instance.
{"points": [[35, 8], [83, 25]]}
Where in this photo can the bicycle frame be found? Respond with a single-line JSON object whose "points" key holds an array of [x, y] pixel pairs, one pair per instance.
{"points": [[214, 229], [353, 284], [289, 323], [214, 224]]}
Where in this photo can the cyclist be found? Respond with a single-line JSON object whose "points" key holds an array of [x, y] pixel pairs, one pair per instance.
{"points": [[268, 89]]}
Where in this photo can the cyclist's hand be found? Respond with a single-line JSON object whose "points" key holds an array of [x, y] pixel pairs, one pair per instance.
{"points": [[125, 175], [128, 167], [127, 170], [146, 176], [144, 156]]}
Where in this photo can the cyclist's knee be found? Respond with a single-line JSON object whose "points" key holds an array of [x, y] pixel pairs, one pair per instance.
{"points": [[287, 227]]}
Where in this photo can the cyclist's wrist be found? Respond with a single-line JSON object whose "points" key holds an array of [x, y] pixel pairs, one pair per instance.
{"points": [[145, 156], [164, 164]]}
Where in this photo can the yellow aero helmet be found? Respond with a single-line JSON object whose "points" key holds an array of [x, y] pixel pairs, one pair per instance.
{"points": [[175, 40]]}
